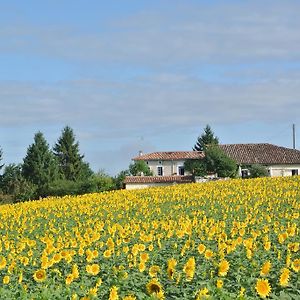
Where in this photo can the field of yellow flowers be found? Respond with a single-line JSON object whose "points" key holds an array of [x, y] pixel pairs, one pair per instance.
{"points": [[236, 239]]}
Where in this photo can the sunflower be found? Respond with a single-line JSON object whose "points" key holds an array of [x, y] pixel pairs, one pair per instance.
{"points": [[154, 287], [223, 267], [142, 247], [39, 275], [201, 248], [56, 258], [107, 253], [93, 292], [113, 294], [130, 297], [144, 257], [284, 277], [153, 270], [219, 283], [142, 267], [93, 269], [75, 271], [263, 288], [267, 245], [6, 279], [69, 279], [171, 267], [296, 265], [203, 294], [2, 262], [265, 269], [189, 268], [208, 254]]}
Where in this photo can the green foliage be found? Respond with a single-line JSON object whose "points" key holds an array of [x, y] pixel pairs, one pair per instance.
{"points": [[139, 168], [1, 153], [102, 182], [206, 138], [39, 165], [119, 179], [64, 187], [71, 163], [14, 184], [217, 161], [196, 167], [257, 170], [98, 182]]}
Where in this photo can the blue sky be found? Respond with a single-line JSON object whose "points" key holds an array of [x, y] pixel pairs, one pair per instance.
{"points": [[147, 75]]}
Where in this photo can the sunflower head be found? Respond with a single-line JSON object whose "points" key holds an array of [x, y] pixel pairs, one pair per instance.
{"points": [[284, 277], [265, 269], [39, 275], [296, 265], [223, 267], [155, 288], [263, 288]]}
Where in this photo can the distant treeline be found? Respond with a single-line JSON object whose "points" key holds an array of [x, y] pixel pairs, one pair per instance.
{"points": [[53, 172]]}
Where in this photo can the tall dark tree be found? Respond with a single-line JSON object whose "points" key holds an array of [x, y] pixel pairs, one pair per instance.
{"points": [[39, 165], [1, 153], [71, 162], [206, 138]]}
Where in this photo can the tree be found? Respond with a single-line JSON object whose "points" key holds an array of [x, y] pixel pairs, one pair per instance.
{"points": [[206, 138], [196, 167], [71, 162], [257, 170], [39, 165], [119, 179], [1, 153], [139, 168], [217, 161], [14, 184]]}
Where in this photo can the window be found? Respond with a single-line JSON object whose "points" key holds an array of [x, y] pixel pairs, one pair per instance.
{"points": [[181, 170], [160, 171], [294, 172], [245, 173]]}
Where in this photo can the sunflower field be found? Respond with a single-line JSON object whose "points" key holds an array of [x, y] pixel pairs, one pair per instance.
{"points": [[235, 239]]}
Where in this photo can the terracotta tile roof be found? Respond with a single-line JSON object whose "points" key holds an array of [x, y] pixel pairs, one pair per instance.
{"points": [[158, 179], [171, 155], [261, 154]]}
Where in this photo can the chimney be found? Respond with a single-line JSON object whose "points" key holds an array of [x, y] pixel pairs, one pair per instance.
{"points": [[140, 153]]}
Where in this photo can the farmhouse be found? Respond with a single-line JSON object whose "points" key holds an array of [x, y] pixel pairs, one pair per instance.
{"points": [[168, 167], [279, 161]]}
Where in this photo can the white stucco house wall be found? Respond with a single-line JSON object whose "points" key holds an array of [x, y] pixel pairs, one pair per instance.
{"points": [[168, 163]]}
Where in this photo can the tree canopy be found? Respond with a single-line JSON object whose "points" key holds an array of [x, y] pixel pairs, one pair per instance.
{"points": [[39, 165], [1, 153], [214, 161], [71, 164], [196, 167], [206, 138], [138, 168], [217, 161]]}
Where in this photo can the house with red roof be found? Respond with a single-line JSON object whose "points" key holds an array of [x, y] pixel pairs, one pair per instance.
{"points": [[279, 161], [168, 167]]}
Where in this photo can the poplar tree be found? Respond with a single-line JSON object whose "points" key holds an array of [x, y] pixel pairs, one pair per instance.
{"points": [[39, 165], [71, 163], [206, 138], [1, 153]]}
